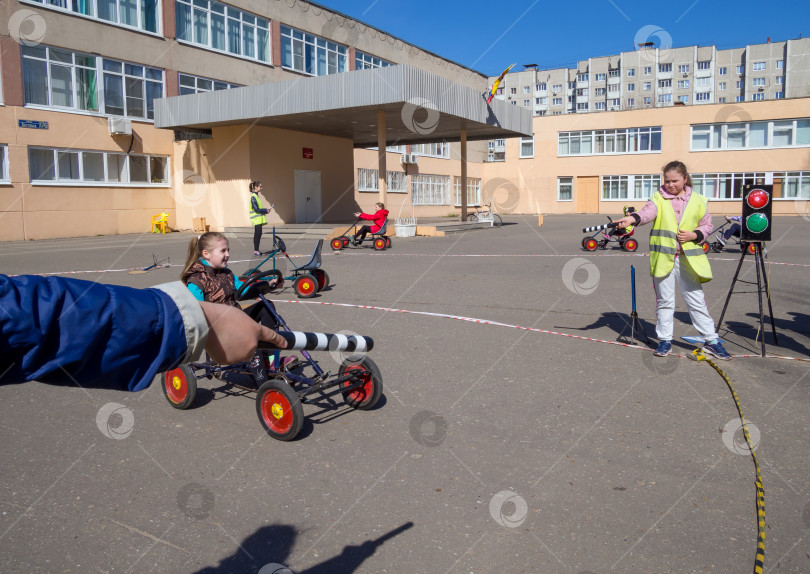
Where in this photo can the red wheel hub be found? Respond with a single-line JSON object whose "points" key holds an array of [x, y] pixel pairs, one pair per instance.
{"points": [[365, 390], [337, 244], [306, 286], [277, 412], [176, 386]]}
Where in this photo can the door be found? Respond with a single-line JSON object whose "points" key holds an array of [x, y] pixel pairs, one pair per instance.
{"points": [[307, 196], [587, 192]]}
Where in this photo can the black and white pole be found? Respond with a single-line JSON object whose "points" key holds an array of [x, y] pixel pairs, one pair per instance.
{"points": [[301, 341], [610, 225]]}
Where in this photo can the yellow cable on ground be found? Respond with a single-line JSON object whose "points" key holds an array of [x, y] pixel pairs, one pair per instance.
{"points": [[759, 562]]}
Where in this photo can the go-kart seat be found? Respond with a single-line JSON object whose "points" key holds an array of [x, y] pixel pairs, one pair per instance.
{"points": [[381, 230], [314, 261]]}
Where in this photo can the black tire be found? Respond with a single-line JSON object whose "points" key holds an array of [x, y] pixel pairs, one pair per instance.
{"points": [[472, 217], [336, 244], [305, 286], [590, 244], [279, 409], [584, 239], [496, 220], [180, 387], [379, 244], [630, 244], [387, 242], [322, 277], [366, 397]]}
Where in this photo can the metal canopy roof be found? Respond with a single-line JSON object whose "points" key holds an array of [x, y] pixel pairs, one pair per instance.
{"points": [[419, 107]]}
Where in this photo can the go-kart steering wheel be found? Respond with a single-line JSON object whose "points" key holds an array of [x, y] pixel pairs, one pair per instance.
{"points": [[250, 280], [280, 244]]}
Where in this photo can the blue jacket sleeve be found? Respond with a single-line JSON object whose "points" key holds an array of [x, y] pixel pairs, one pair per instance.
{"points": [[65, 331], [255, 205]]}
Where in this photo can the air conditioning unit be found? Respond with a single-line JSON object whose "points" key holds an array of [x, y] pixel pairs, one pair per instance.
{"points": [[414, 159], [405, 159], [119, 126], [761, 88]]}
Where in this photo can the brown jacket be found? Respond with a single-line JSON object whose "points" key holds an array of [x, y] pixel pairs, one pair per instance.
{"points": [[217, 285]]}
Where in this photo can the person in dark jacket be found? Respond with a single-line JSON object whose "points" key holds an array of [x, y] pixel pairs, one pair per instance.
{"points": [[378, 218]]}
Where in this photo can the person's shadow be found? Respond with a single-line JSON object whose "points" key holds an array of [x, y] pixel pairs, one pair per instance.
{"points": [[799, 324], [270, 546]]}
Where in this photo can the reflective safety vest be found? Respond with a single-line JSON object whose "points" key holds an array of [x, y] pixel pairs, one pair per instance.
{"points": [[256, 218], [664, 241]]}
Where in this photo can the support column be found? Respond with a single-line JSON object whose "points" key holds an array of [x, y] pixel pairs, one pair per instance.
{"points": [[463, 174], [382, 169]]}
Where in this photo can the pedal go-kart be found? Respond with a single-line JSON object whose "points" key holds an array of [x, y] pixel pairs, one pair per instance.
{"points": [[593, 242], [379, 240], [717, 246], [298, 381], [307, 279]]}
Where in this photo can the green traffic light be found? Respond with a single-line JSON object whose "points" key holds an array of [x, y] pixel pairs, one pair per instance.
{"points": [[756, 222]]}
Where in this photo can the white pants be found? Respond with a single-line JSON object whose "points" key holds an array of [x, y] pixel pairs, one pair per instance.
{"points": [[692, 294]]}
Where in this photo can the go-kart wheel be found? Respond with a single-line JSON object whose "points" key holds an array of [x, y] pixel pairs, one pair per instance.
{"points": [[336, 244], [180, 386], [368, 395], [305, 286], [751, 247], [496, 220], [279, 409], [379, 244], [387, 242], [322, 277], [472, 217], [584, 240], [630, 245], [590, 244], [706, 247], [345, 240]]}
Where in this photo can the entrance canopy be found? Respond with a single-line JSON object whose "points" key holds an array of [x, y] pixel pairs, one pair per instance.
{"points": [[419, 107]]}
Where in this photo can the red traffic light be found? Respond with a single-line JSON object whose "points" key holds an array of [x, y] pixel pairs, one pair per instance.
{"points": [[758, 198]]}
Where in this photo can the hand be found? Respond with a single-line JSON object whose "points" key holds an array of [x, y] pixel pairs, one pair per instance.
{"points": [[728, 218], [233, 336], [358, 214], [625, 221], [684, 236]]}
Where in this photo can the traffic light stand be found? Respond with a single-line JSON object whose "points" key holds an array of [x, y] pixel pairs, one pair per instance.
{"points": [[762, 285]]}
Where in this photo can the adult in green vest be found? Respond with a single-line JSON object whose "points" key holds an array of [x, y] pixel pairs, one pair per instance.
{"points": [[681, 222], [258, 214]]}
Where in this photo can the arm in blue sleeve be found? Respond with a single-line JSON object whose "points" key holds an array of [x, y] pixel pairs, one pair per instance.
{"points": [[65, 331], [255, 205]]}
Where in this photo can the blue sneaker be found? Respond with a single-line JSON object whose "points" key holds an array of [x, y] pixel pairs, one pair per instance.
{"points": [[717, 350], [664, 348]]}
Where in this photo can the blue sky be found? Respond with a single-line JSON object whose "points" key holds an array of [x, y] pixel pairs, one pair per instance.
{"points": [[488, 36]]}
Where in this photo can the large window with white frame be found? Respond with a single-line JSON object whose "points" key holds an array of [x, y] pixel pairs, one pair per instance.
{"points": [[795, 184], [130, 90], [368, 181], [139, 14], [527, 147], [311, 54], [85, 167], [223, 28], [605, 142], [565, 189], [751, 135], [724, 185], [629, 187], [4, 168], [435, 149], [363, 61], [196, 84], [60, 79], [429, 189], [473, 191]]}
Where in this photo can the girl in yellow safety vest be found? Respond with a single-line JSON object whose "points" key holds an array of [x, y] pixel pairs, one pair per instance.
{"points": [[681, 222]]}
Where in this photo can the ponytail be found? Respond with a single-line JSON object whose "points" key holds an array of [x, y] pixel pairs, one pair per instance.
{"points": [[195, 248]]}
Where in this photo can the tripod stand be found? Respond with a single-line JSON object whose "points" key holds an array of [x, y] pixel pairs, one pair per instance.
{"points": [[635, 324], [762, 284]]}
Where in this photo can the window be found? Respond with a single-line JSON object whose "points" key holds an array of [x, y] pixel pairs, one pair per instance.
{"points": [[758, 81], [780, 64], [435, 149], [582, 91], [614, 73], [703, 82], [664, 98], [724, 185], [758, 66], [311, 54], [684, 99], [738, 98], [663, 68], [363, 61], [765, 134], [541, 87], [647, 101], [473, 191], [757, 97], [614, 88], [600, 91], [647, 85], [684, 68], [527, 89], [703, 96], [631, 73], [565, 189], [721, 100], [683, 84], [599, 77], [570, 99], [556, 88], [704, 65], [4, 172], [600, 142], [541, 101], [721, 71], [631, 87], [96, 167], [540, 112], [59, 79], [141, 14], [647, 70], [130, 89], [195, 85], [430, 189], [740, 70], [779, 95], [795, 184], [739, 84], [582, 77], [624, 187], [779, 80], [664, 83], [572, 85], [615, 102], [513, 91], [223, 28], [631, 102], [583, 107], [556, 101], [526, 103], [368, 180], [721, 86]]}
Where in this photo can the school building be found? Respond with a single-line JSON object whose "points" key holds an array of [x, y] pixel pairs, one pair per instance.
{"points": [[113, 111]]}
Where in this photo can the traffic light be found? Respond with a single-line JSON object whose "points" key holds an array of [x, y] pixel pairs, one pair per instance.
{"points": [[757, 212]]}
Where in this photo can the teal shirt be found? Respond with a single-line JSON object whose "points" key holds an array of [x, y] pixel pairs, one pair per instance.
{"points": [[197, 292]]}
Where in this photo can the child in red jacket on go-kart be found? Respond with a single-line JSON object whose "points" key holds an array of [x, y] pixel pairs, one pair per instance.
{"points": [[378, 218], [207, 276]]}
